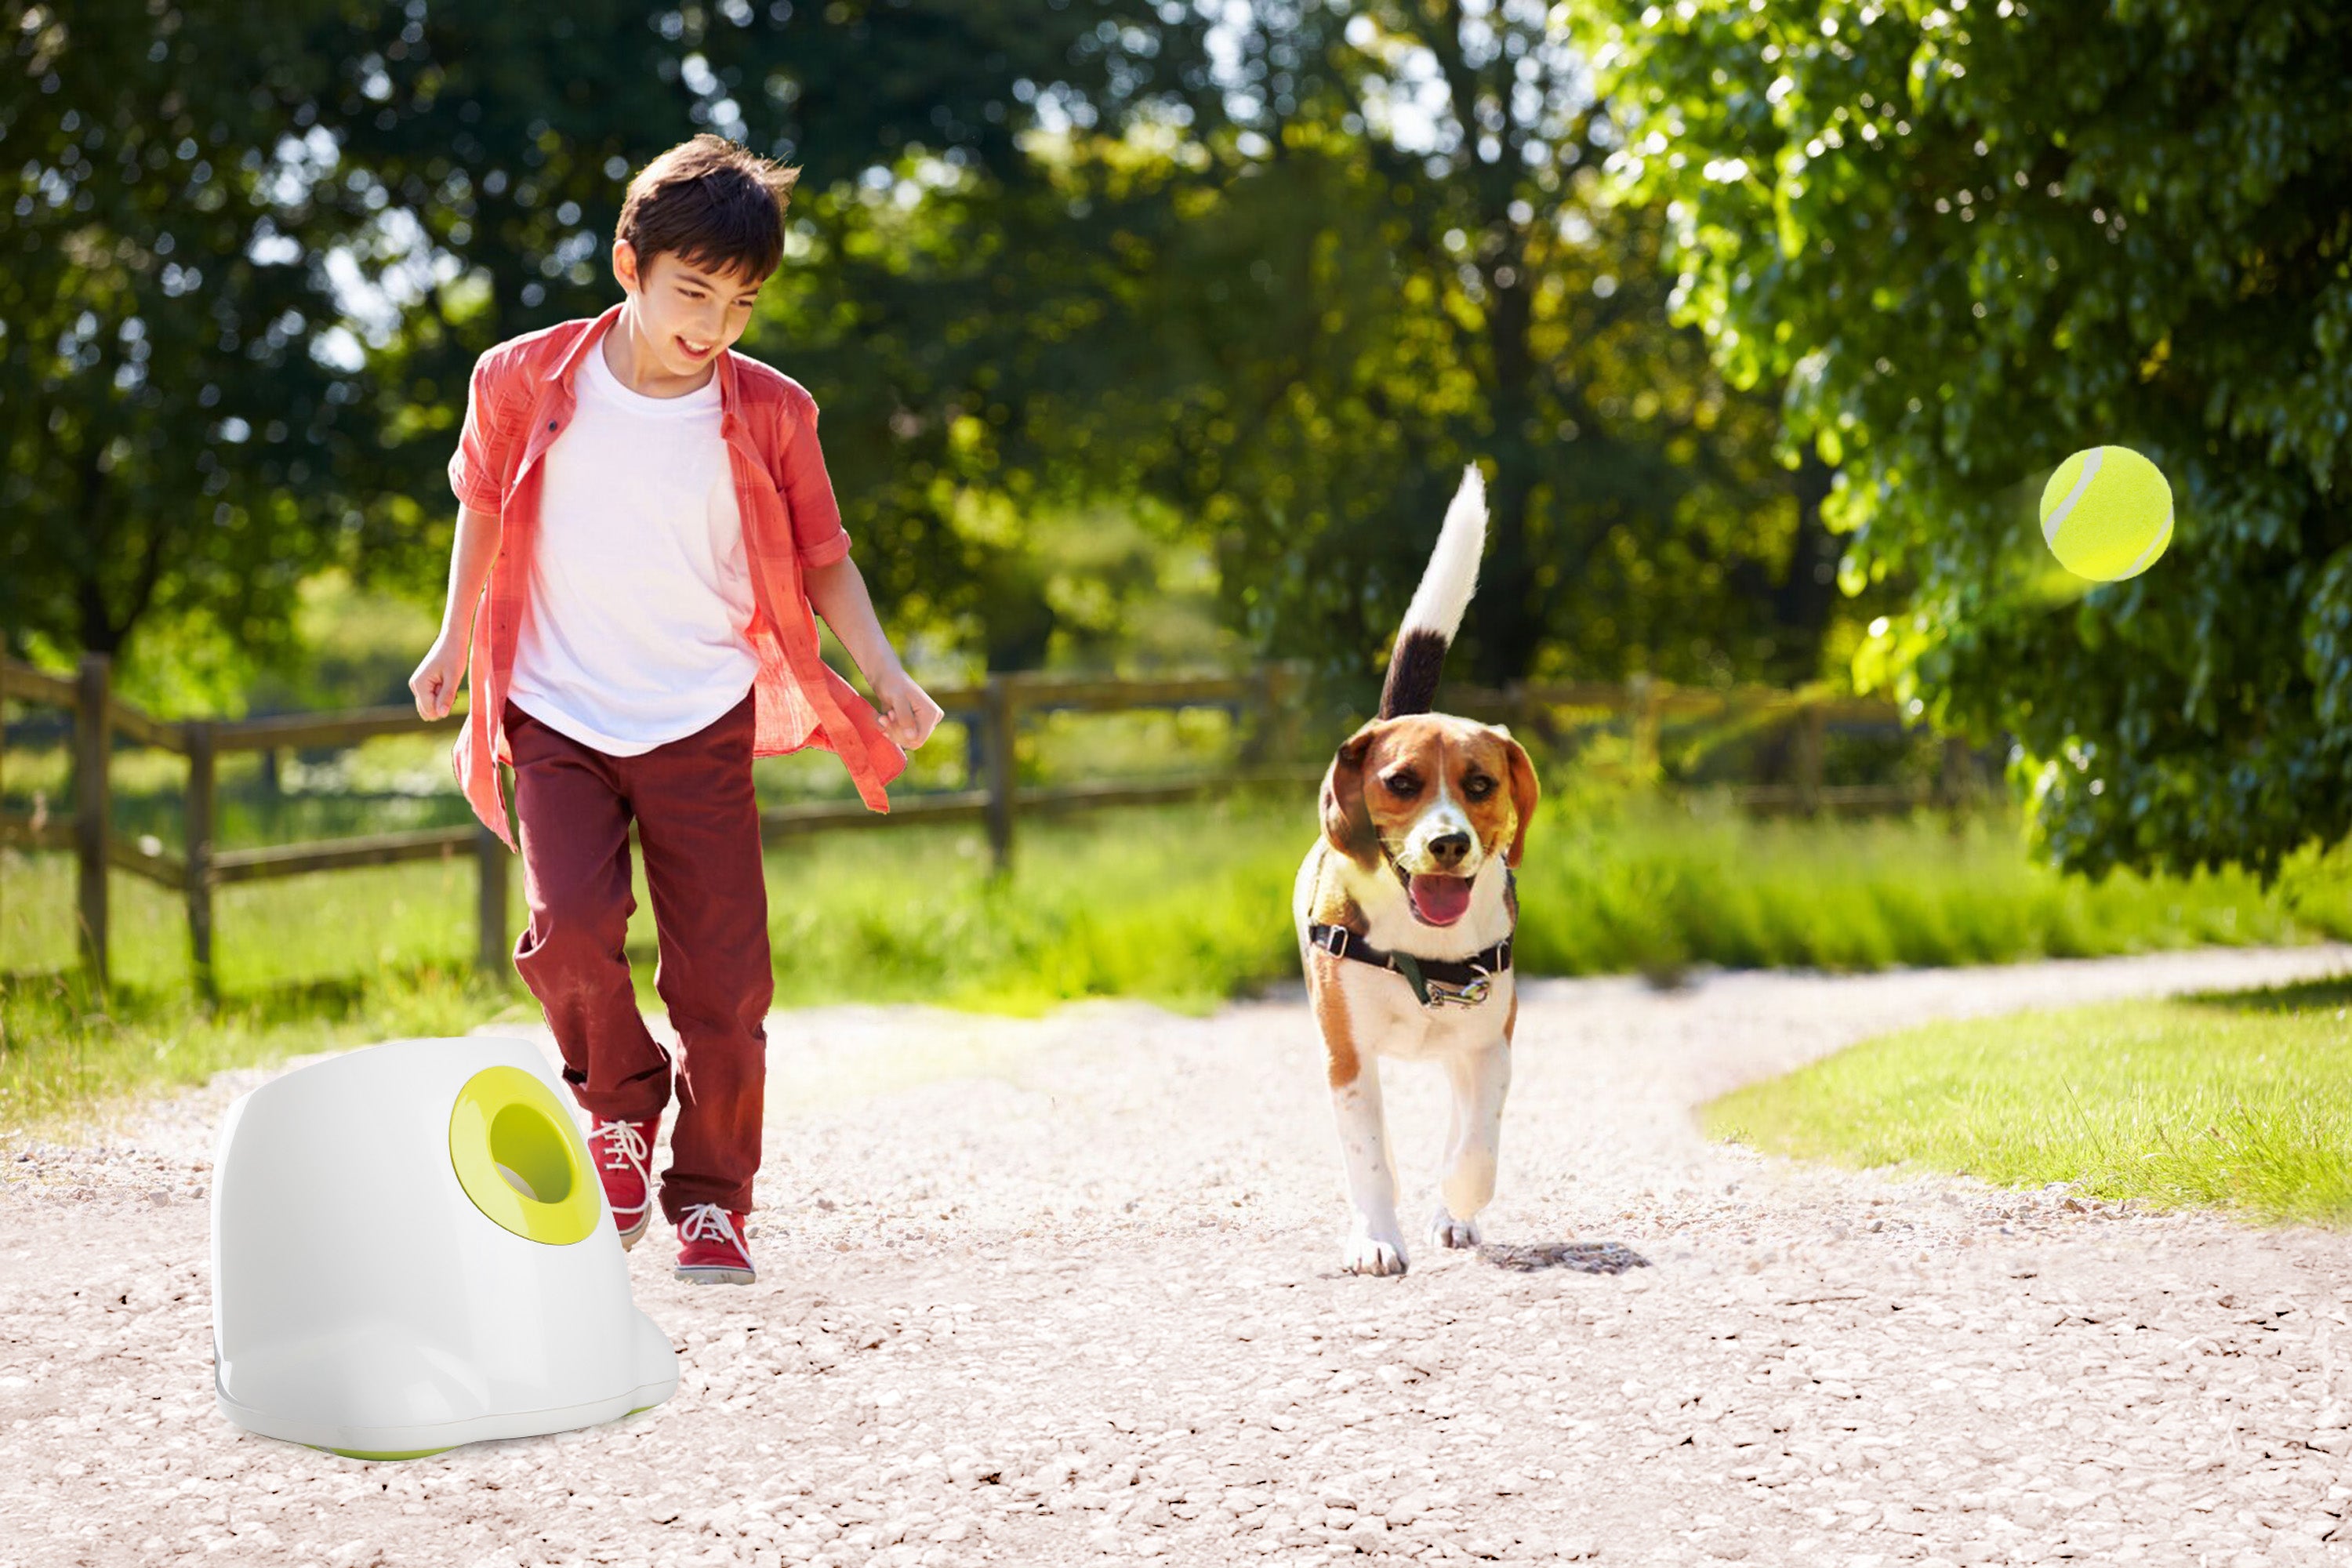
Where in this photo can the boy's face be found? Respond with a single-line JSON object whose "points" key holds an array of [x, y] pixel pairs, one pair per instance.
{"points": [[687, 312]]}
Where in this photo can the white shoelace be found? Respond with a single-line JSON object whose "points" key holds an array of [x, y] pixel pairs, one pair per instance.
{"points": [[705, 1222], [623, 1144]]}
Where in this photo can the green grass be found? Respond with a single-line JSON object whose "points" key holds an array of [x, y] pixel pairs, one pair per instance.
{"points": [[1614, 888], [65, 1055], [1185, 906], [2237, 1101]]}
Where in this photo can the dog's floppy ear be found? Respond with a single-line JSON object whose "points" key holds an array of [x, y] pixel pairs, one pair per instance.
{"points": [[1523, 795], [1346, 822]]}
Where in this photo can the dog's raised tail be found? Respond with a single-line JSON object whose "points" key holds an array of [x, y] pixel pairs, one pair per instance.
{"points": [[1435, 612]]}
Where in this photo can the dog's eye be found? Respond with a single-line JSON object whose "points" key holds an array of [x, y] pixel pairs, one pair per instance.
{"points": [[1479, 787], [1402, 784]]}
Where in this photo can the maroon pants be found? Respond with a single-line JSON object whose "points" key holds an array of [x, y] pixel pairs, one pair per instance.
{"points": [[698, 826]]}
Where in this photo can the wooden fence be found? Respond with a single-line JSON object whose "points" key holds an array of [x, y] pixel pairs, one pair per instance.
{"points": [[991, 713]]}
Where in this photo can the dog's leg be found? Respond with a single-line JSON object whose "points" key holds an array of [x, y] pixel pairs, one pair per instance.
{"points": [[1376, 1244], [1480, 1079]]}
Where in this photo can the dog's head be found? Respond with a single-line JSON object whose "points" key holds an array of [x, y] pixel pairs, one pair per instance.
{"points": [[1435, 797]]}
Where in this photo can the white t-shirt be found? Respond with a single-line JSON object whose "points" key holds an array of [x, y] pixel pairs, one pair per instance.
{"points": [[639, 588]]}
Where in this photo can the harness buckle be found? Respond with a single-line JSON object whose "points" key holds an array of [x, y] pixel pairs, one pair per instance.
{"points": [[1468, 996], [1333, 940]]}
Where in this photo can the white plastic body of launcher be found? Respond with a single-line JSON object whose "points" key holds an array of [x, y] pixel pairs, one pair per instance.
{"points": [[411, 1250]]}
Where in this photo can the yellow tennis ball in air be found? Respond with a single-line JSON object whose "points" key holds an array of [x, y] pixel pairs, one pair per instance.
{"points": [[2106, 513]]}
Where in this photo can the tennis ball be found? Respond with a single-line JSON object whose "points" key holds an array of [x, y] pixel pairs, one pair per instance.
{"points": [[2106, 513]]}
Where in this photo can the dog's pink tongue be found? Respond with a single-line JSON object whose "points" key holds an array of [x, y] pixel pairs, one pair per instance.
{"points": [[1440, 900]]}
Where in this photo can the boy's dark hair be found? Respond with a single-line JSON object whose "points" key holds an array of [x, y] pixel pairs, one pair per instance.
{"points": [[712, 203]]}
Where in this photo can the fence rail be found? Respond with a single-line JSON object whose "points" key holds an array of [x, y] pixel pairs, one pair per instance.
{"points": [[991, 713]]}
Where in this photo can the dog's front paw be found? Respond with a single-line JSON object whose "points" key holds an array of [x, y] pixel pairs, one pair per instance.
{"points": [[1369, 1253], [1444, 1230]]}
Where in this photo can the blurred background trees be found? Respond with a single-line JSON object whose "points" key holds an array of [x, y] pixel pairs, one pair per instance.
{"points": [[173, 442], [298, 232], [1152, 332], [1402, 261], [1242, 289]]}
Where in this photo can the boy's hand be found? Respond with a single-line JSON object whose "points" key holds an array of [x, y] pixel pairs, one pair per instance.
{"points": [[435, 684], [908, 714]]}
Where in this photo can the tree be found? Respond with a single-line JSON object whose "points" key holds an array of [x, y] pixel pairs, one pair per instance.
{"points": [[260, 249], [1981, 235], [504, 136], [1395, 260], [168, 435], [1040, 255]]}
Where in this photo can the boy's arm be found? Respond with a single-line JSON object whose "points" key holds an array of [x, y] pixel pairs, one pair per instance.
{"points": [[435, 684], [474, 468], [838, 592]]}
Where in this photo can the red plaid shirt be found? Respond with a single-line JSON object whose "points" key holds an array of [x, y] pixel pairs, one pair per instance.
{"points": [[519, 402]]}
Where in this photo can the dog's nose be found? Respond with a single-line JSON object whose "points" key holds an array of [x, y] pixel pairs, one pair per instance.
{"points": [[1449, 847]]}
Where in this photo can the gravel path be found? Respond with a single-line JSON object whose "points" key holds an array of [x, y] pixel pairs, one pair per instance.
{"points": [[1063, 1291]]}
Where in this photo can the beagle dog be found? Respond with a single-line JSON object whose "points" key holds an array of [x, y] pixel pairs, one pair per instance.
{"points": [[1405, 908]]}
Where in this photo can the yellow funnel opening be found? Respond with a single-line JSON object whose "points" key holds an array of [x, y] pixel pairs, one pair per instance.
{"points": [[521, 1158]]}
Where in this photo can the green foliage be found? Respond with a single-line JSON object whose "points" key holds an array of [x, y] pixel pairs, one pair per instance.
{"points": [[2239, 1101], [1979, 236], [509, 134], [197, 415], [1043, 259], [170, 440], [945, 318], [1329, 301]]}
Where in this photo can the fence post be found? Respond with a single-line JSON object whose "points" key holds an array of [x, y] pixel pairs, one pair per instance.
{"points": [[1954, 781], [490, 899], [997, 726], [1519, 713], [93, 742], [1642, 702], [1286, 688], [1813, 721], [199, 834], [1258, 714]]}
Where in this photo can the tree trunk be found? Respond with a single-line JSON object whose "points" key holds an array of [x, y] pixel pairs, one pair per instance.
{"points": [[1511, 623], [1807, 592]]}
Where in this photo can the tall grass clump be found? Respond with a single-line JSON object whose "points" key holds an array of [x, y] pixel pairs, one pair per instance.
{"points": [[1626, 883]]}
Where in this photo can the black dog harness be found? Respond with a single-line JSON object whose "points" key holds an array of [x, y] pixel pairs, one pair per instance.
{"points": [[1436, 982]]}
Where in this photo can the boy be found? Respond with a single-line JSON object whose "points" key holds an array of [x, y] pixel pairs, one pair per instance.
{"points": [[652, 518]]}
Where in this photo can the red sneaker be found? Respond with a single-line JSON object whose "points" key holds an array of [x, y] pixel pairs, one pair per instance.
{"points": [[710, 1249], [624, 1153]]}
